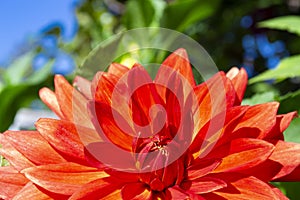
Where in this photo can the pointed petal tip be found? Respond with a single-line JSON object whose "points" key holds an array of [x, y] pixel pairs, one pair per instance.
{"points": [[235, 71], [181, 52]]}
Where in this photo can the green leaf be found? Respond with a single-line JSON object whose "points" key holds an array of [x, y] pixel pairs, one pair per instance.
{"points": [[12, 98], [290, 102], [292, 133], [287, 68], [41, 74], [286, 23], [3, 161], [292, 189], [138, 13], [100, 57], [179, 15], [260, 98], [16, 71]]}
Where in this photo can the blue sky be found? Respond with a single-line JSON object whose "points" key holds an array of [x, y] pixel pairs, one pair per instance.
{"points": [[20, 19]]}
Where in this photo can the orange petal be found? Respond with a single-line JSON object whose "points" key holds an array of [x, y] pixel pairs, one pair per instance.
{"points": [[64, 178], [14, 157], [112, 156], [239, 80], [217, 131], [104, 188], [214, 96], [258, 121], [33, 146], [103, 85], [282, 122], [243, 188], [63, 136], [111, 125], [117, 69], [203, 185], [11, 182], [49, 98], [288, 155], [31, 191], [200, 168], [73, 104], [241, 154]]}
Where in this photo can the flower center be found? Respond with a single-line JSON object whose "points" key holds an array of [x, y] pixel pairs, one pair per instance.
{"points": [[164, 174]]}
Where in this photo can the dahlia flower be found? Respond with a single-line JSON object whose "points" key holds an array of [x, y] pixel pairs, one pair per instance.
{"points": [[126, 136]]}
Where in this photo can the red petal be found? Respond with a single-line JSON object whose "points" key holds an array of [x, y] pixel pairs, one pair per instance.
{"points": [[11, 182], [63, 136], [241, 154], [65, 178], [73, 104], [258, 121], [282, 165], [178, 61], [103, 86], [177, 193], [204, 185], [112, 156], [278, 192], [33, 146], [200, 168], [135, 191], [105, 188], [144, 98], [243, 188], [282, 122], [111, 125], [217, 131], [84, 86], [293, 176], [214, 96], [49, 98], [239, 80]]}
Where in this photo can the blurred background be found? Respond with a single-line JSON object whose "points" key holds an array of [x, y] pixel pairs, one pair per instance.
{"points": [[43, 38]]}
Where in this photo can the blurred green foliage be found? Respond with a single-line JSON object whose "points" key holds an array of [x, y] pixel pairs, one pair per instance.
{"points": [[215, 24]]}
